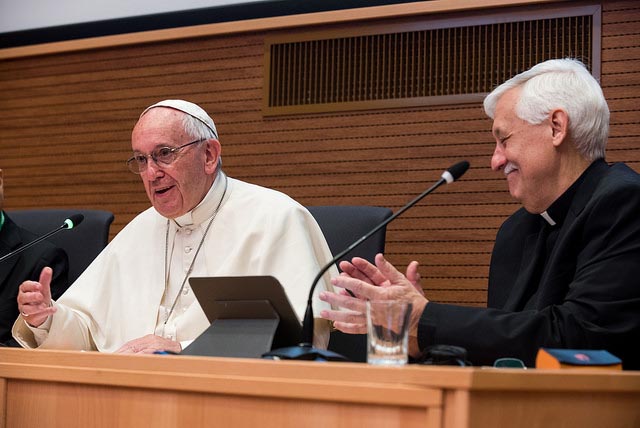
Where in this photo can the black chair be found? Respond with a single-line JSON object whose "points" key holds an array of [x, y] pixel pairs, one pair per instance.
{"points": [[342, 225], [82, 243]]}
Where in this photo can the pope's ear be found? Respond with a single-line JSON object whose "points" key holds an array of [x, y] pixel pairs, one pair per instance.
{"points": [[559, 126], [213, 153]]}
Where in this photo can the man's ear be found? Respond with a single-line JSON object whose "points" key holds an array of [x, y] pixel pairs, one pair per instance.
{"points": [[559, 126], [213, 152]]}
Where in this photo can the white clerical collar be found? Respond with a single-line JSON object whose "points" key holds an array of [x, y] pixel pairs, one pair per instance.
{"points": [[208, 205], [548, 218]]}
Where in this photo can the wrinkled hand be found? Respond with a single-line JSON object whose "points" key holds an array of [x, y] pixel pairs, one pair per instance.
{"points": [[149, 344], [348, 269], [34, 299], [368, 282]]}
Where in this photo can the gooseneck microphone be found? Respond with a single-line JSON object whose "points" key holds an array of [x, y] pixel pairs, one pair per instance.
{"points": [[305, 350], [69, 223]]}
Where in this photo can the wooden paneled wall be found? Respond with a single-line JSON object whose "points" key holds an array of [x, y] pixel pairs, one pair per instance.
{"points": [[66, 118]]}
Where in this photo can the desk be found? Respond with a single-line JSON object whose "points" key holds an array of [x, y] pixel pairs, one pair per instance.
{"points": [[88, 389]]}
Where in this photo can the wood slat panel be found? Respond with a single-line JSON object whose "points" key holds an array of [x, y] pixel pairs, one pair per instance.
{"points": [[621, 53]]}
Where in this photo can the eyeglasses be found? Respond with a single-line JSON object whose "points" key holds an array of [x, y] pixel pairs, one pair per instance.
{"points": [[510, 363], [162, 156]]}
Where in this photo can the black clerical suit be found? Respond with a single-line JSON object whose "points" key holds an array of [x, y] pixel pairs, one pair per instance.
{"points": [[574, 285], [25, 266]]}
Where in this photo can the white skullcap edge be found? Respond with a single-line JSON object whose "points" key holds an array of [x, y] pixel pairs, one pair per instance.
{"points": [[191, 109]]}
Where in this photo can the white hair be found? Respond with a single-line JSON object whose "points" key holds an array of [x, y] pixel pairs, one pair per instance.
{"points": [[197, 129], [561, 84]]}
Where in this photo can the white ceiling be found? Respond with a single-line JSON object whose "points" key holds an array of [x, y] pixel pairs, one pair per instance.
{"points": [[16, 15]]}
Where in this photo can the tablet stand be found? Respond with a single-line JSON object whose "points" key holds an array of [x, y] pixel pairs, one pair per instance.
{"points": [[236, 336]]}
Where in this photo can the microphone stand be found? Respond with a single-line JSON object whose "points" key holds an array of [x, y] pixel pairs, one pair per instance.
{"points": [[305, 350], [69, 223]]}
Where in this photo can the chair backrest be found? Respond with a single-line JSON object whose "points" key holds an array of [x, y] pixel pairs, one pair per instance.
{"points": [[342, 226], [82, 243]]}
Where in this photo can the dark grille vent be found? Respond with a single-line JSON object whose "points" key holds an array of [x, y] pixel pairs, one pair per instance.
{"points": [[417, 67]]}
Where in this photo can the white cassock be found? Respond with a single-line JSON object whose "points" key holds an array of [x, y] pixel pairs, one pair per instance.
{"points": [[123, 294]]}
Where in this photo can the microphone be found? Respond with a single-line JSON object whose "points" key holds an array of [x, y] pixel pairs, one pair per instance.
{"points": [[69, 223], [305, 350]]}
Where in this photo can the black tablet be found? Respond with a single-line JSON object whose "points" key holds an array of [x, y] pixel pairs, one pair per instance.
{"points": [[248, 298]]}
